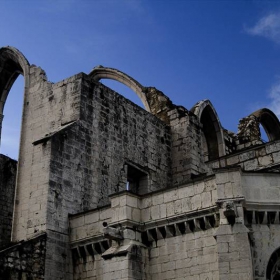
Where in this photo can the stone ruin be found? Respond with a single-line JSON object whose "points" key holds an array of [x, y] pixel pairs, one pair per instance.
{"points": [[104, 189]]}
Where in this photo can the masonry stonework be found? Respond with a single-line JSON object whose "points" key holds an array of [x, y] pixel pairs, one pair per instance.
{"points": [[104, 189], [8, 169]]}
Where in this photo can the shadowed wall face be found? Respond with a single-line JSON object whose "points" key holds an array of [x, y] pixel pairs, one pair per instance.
{"points": [[7, 191]]}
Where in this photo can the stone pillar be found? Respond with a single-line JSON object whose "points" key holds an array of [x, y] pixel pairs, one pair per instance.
{"points": [[125, 259], [233, 245], [187, 155]]}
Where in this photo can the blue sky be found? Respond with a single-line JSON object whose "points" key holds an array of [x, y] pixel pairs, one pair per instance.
{"points": [[225, 51]]}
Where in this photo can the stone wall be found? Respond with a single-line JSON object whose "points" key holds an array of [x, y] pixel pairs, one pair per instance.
{"points": [[124, 134], [187, 147], [174, 245], [234, 252], [263, 156], [262, 194], [261, 188], [265, 240], [152, 210], [8, 168], [191, 256], [24, 260], [174, 202], [128, 194], [128, 267], [173, 229], [92, 157]]}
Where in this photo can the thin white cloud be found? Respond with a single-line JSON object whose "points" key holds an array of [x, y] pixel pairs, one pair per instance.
{"points": [[274, 95], [268, 27]]}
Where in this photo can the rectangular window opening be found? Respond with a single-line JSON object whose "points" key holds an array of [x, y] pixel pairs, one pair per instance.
{"points": [[137, 180]]}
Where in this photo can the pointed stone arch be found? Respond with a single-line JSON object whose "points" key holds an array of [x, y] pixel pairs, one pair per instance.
{"points": [[12, 64], [212, 129], [101, 72], [273, 266], [270, 123]]}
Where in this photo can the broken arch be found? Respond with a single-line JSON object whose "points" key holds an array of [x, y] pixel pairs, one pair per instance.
{"points": [[270, 123], [101, 72]]}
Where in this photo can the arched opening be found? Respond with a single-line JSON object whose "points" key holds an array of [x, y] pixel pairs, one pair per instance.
{"points": [[264, 137], [269, 122], [12, 65], [101, 72], [210, 133], [212, 139], [273, 266], [123, 90], [12, 120]]}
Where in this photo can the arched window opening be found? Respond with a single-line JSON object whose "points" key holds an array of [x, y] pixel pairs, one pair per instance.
{"points": [[273, 267], [123, 90], [12, 90], [12, 64], [264, 137], [210, 133], [101, 72], [11, 124], [269, 122]]}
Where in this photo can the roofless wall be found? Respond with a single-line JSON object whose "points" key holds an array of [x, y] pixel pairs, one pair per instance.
{"points": [[85, 149]]}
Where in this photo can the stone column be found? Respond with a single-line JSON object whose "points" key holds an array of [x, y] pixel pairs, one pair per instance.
{"points": [[233, 245], [125, 259]]}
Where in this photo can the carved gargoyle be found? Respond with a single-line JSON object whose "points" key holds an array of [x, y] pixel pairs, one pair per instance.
{"points": [[230, 210], [112, 233]]}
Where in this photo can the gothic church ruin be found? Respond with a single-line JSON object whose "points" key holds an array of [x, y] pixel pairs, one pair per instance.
{"points": [[104, 189]]}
